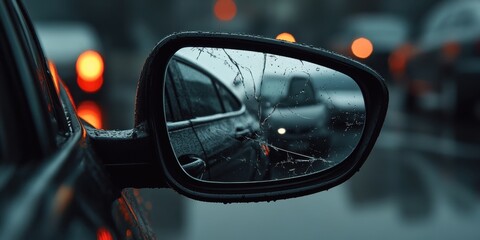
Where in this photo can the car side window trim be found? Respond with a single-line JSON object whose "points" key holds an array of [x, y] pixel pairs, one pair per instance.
{"points": [[41, 65], [227, 98], [218, 116], [210, 118], [179, 92], [172, 111], [172, 126], [26, 92]]}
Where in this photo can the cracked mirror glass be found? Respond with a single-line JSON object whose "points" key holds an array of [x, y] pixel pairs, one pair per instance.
{"points": [[244, 116]]}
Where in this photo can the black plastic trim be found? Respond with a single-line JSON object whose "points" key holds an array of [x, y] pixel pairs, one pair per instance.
{"points": [[128, 156]]}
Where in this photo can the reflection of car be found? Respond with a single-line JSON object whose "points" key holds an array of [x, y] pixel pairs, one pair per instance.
{"points": [[445, 67], [344, 100], [384, 32], [293, 117], [210, 123]]}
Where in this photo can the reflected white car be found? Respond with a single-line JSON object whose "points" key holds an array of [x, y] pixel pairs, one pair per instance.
{"points": [[295, 120]]}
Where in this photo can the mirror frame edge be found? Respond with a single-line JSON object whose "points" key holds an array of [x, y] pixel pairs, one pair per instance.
{"points": [[149, 102]]}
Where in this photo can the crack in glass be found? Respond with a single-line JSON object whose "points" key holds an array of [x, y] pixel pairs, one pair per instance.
{"points": [[294, 117]]}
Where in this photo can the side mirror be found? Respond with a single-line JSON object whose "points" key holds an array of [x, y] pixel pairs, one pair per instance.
{"points": [[260, 119]]}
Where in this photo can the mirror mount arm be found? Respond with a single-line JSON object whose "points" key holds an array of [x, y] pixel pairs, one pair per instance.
{"points": [[128, 156]]}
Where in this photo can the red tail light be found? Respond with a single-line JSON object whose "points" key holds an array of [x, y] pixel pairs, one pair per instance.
{"points": [[420, 87], [104, 234], [398, 59], [451, 50]]}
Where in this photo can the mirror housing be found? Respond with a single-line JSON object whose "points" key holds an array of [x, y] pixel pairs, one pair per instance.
{"points": [[150, 111]]}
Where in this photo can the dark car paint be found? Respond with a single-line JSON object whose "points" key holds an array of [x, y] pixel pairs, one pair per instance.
{"points": [[53, 184]]}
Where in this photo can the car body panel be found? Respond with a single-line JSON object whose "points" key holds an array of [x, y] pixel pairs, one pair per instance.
{"points": [[53, 184], [219, 139]]}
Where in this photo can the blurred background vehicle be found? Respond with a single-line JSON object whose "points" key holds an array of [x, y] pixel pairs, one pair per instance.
{"points": [[421, 180], [343, 98], [296, 118], [371, 39], [74, 48], [444, 70], [74, 52]]}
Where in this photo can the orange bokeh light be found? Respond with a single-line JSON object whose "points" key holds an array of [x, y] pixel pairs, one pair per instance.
{"points": [[90, 65], [90, 68], [362, 48], [90, 112], [286, 37], [225, 10]]}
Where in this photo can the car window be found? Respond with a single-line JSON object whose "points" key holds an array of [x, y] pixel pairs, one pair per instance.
{"points": [[273, 89], [465, 18], [202, 94], [45, 81], [168, 108], [300, 93], [180, 105], [443, 23], [3, 114], [15, 128], [8, 137], [230, 102], [172, 110]]}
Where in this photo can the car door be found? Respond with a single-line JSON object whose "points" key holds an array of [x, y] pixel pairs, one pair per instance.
{"points": [[52, 185], [222, 125]]}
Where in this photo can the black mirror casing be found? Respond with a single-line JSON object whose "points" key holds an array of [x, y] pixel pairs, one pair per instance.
{"points": [[150, 110]]}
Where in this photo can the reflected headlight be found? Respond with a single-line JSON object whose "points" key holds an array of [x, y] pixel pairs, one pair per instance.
{"points": [[281, 131]]}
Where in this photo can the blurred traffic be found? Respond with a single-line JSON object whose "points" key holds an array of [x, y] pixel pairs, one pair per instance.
{"points": [[421, 181], [443, 69]]}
